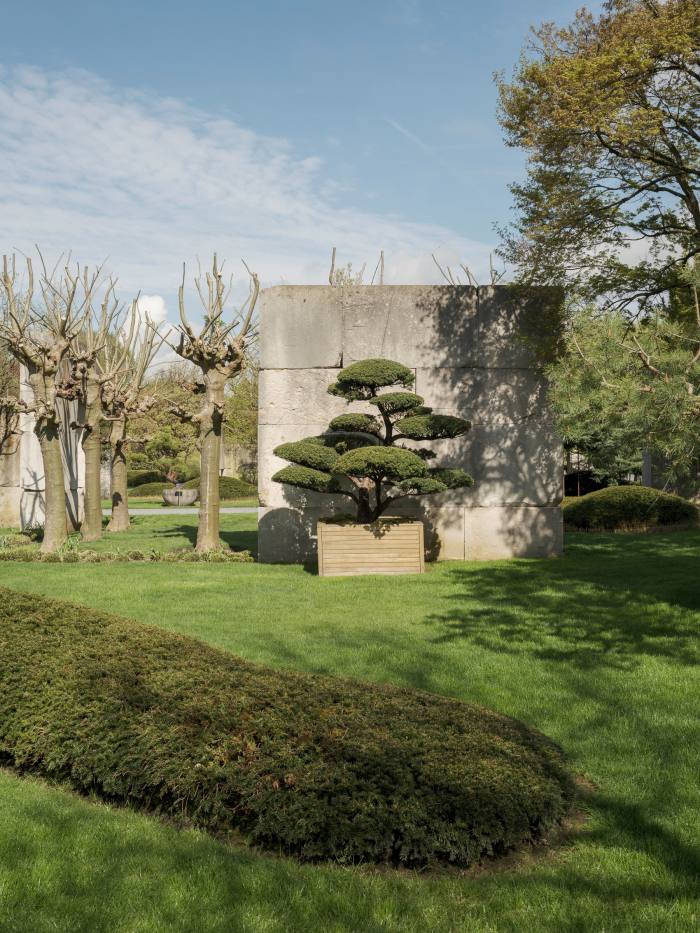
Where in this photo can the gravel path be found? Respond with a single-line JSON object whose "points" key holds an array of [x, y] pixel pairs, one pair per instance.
{"points": [[183, 510]]}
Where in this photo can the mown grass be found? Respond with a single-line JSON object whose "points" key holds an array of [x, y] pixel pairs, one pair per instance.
{"points": [[157, 503], [600, 650]]}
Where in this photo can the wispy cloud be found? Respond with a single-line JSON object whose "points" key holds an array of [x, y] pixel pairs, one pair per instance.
{"points": [[151, 182]]}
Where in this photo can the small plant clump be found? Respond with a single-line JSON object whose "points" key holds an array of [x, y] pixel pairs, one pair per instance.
{"points": [[620, 508], [302, 764], [361, 455], [20, 549]]}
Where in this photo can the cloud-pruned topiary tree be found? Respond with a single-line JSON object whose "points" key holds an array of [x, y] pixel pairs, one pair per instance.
{"points": [[361, 455]]}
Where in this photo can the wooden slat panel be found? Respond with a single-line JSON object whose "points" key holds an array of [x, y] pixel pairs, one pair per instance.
{"points": [[348, 550]]}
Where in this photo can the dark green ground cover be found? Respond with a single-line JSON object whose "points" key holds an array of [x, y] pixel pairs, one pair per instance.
{"points": [[315, 766]]}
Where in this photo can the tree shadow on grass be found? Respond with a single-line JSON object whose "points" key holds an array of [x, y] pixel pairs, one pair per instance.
{"points": [[237, 539], [607, 603]]}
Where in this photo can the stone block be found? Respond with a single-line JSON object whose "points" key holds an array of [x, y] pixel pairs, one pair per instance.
{"points": [[287, 535], [510, 464], [301, 327], [414, 325], [300, 396], [444, 527], [518, 327], [9, 506], [502, 532], [31, 508], [483, 396]]}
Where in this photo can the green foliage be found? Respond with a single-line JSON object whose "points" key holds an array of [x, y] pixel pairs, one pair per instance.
{"points": [[230, 487], [361, 380], [304, 478], [391, 403], [367, 424], [606, 110], [147, 490], [303, 764], [622, 507], [432, 427], [421, 485], [381, 463], [75, 555], [139, 477], [452, 479], [309, 452], [622, 386], [371, 453]]}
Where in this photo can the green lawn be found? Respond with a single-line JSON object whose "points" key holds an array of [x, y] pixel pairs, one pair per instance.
{"points": [[600, 650], [152, 503]]}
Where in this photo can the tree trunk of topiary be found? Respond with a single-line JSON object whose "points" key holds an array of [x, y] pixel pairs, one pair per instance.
{"points": [[55, 523], [120, 500], [210, 424], [364, 509], [91, 529]]}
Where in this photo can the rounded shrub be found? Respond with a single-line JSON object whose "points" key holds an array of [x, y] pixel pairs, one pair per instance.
{"points": [[432, 427], [378, 463], [230, 487], [629, 507], [305, 764], [139, 477], [367, 424], [360, 380], [309, 453], [149, 490]]}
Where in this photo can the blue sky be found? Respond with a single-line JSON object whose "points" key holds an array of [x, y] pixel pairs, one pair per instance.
{"points": [[153, 131]]}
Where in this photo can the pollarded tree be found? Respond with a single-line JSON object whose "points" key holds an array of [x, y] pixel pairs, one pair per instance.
{"points": [[124, 395], [39, 338], [99, 354], [360, 455], [219, 351]]}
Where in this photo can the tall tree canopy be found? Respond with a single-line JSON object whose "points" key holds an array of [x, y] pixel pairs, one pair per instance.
{"points": [[608, 110]]}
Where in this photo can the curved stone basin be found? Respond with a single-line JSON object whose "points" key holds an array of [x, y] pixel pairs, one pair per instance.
{"points": [[180, 496]]}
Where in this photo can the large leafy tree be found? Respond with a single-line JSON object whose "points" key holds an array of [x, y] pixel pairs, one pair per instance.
{"points": [[623, 386], [608, 111]]}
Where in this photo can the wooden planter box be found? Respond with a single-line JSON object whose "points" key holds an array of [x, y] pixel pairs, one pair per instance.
{"points": [[382, 547]]}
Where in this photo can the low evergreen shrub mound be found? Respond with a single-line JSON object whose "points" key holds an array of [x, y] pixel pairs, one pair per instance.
{"points": [[149, 490], [621, 507], [230, 487], [139, 477], [300, 763]]}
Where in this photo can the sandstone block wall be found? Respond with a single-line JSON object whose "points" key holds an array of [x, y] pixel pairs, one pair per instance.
{"points": [[473, 352]]}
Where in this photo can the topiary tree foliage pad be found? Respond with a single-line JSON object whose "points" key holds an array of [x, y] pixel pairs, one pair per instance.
{"points": [[360, 457]]}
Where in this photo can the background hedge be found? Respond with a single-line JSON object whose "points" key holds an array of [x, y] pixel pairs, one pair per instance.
{"points": [[230, 487], [621, 507], [304, 764]]}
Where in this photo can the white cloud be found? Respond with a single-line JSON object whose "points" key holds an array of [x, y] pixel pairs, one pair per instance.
{"points": [[153, 307], [149, 182]]}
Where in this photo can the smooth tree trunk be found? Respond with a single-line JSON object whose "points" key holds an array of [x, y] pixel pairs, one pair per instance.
{"points": [[210, 428], [56, 521], [120, 500], [91, 528]]}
